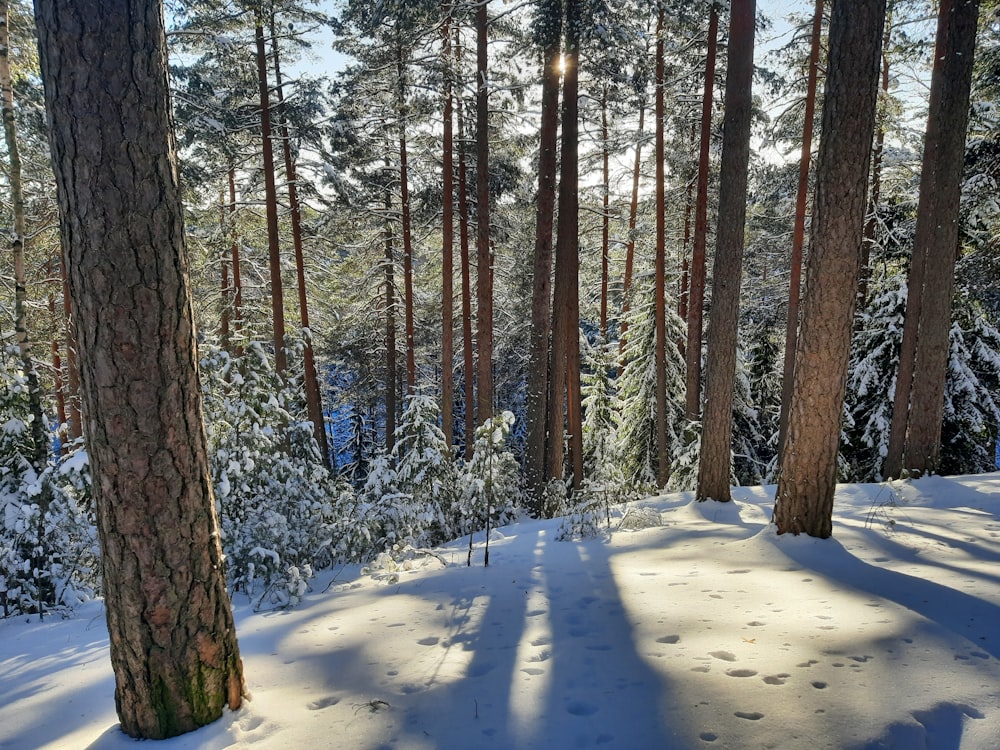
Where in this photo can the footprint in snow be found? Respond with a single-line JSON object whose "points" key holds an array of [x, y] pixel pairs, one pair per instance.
{"points": [[324, 702], [543, 641], [819, 685], [776, 679], [708, 736], [668, 639], [741, 672], [751, 715], [723, 655], [742, 570], [532, 671], [431, 640], [581, 708]]}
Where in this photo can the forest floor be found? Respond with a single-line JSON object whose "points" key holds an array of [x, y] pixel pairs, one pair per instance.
{"points": [[707, 631]]}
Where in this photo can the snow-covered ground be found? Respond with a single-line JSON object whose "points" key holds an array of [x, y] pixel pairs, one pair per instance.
{"points": [[709, 631]]}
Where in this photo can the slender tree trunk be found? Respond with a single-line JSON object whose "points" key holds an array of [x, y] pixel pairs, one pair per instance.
{"points": [[633, 214], [808, 473], [39, 438], [405, 228], [173, 642], [390, 322], [541, 299], [715, 467], [463, 241], [605, 211], [484, 265], [314, 399], [72, 370], [696, 293], [271, 199], [935, 244], [447, 240], [224, 289], [59, 380], [234, 252], [660, 281], [565, 371], [799, 228], [875, 194]]}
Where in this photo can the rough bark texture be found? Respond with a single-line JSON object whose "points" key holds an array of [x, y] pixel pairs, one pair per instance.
{"points": [[808, 474], [541, 296], [715, 464], [173, 643], [799, 228], [936, 240], [696, 291], [447, 239], [72, 369], [484, 255]]}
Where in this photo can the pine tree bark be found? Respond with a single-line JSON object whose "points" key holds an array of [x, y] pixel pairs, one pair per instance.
{"points": [[808, 473], [799, 227], [541, 298], [314, 399], [715, 465], [271, 201], [447, 238], [484, 259], [935, 244], [696, 290], [565, 370], [173, 643]]}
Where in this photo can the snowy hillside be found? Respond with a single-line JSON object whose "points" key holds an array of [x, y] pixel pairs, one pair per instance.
{"points": [[706, 632]]}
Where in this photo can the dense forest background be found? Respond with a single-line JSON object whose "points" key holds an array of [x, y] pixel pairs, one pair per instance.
{"points": [[365, 245]]}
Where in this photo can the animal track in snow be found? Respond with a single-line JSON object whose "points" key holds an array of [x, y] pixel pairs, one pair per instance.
{"points": [[751, 715], [431, 640], [581, 708], [708, 736], [533, 671], [777, 679], [819, 685], [741, 672]]}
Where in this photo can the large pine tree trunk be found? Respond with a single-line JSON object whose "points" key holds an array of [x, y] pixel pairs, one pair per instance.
{"points": [[715, 464], [935, 244], [808, 474], [484, 254], [314, 400], [799, 228], [696, 290], [173, 642], [541, 297], [271, 202], [447, 239]]}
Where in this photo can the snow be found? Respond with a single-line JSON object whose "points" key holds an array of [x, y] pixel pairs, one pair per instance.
{"points": [[708, 631]]}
